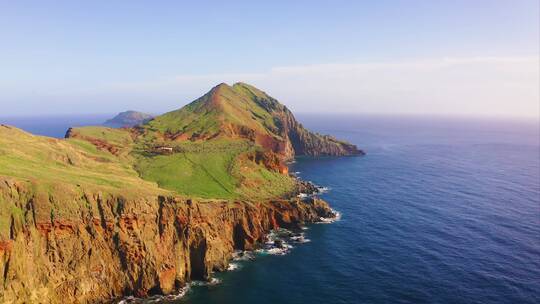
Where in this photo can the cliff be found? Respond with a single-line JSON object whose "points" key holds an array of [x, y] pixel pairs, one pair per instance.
{"points": [[105, 246]]}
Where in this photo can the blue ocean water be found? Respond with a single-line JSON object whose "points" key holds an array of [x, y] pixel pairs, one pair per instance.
{"points": [[440, 210], [54, 126]]}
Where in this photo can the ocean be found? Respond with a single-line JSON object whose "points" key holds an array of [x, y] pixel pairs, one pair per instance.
{"points": [[440, 210]]}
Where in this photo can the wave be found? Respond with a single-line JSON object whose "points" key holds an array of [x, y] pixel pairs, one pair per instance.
{"points": [[211, 282], [329, 220], [180, 293], [323, 189], [233, 266], [280, 242], [240, 255]]}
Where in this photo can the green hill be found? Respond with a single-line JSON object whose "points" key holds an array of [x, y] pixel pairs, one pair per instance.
{"points": [[230, 143], [243, 111]]}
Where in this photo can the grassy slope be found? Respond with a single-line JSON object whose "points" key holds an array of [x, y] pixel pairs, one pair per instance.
{"points": [[212, 168], [201, 169], [205, 169], [222, 105], [208, 169], [72, 162], [62, 169]]}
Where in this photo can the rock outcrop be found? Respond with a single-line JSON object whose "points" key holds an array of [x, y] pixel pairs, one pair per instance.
{"points": [[90, 247], [128, 119]]}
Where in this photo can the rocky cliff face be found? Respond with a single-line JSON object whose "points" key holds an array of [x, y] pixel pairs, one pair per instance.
{"points": [[99, 247], [304, 142]]}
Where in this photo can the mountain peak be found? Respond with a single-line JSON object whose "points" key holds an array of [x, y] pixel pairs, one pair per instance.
{"points": [[221, 86], [242, 111]]}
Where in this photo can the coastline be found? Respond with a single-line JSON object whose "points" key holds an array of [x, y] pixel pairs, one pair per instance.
{"points": [[276, 242], [112, 246]]}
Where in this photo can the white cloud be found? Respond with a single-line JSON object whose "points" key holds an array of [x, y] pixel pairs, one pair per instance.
{"points": [[475, 86], [470, 86]]}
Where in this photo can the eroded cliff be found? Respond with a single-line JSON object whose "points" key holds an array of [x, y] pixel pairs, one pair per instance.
{"points": [[90, 247]]}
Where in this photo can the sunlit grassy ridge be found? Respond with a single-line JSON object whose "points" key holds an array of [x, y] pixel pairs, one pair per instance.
{"points": [[201, 169], [206, 169], [52, 162], [212, 172], [240, 105]]}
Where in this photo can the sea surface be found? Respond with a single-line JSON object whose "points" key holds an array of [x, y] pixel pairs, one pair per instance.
{"points": [[440, 210]]}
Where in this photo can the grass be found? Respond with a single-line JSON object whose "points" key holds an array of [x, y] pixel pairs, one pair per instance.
{"points": [[209, 169], [239, 105], [57, 171], [71, 162], [200, 174], [257, 182], [212, 169], [114, 136]]}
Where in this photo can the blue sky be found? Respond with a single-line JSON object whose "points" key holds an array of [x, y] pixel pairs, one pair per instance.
{"points": [[107, 56]]}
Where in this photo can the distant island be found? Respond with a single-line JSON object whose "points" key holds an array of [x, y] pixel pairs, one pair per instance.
{"points": [[128, 119], [111, 212]]}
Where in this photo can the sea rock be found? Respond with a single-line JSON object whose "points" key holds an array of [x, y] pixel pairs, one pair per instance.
{"points": [[128, 119]]}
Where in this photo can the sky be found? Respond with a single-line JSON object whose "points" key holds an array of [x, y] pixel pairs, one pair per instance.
{"points": [[440, 57]]}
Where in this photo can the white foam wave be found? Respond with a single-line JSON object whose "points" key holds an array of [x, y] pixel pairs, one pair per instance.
{"points": [[300, 238], [329, 220], [180, 293], [233, 266], [323, 189], [211, 282], [279, 242], [240, 255]]}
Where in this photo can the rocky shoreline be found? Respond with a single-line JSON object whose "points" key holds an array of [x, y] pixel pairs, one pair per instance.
{"points": [[107, 247], [278, 241]]}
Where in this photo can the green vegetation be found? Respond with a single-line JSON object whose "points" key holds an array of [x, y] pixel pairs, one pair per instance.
{"points": [[205, 169], [114, 136], [239, 105], [200, 169], [230, 144], [211, 169], [52, 162]]}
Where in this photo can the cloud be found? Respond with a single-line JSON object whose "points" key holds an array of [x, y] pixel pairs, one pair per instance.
{"points": [[472, 86], [467, 86]]}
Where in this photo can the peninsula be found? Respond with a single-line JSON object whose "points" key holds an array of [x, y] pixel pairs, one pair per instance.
{"points": [[142, 210]]}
